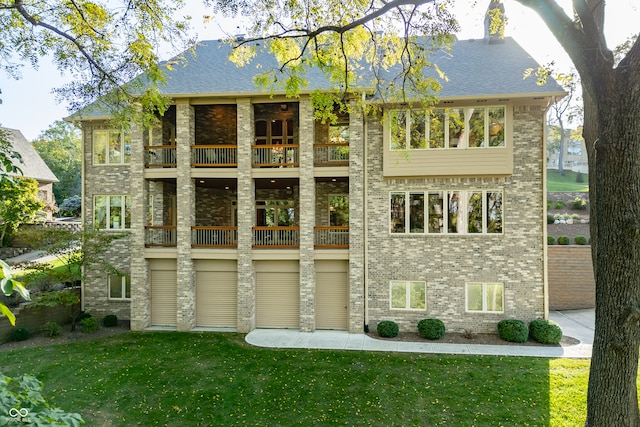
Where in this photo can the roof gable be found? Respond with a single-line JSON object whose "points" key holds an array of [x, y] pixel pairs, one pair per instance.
{"points": [[33, 166]]}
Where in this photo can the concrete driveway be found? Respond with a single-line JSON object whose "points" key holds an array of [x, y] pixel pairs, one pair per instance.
{"points": [[578, 324]]}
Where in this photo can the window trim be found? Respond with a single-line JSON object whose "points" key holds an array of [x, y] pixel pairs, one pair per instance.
{"points": [[124, 205], [123, 287], [484, 297], [445, 210], [446, 128], [407, 284], [122, 137]]}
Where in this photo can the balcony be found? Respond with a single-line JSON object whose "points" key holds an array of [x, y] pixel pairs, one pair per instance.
{"points": [[331, 237], [160, 236], [160, 156], [214, 237], [276, 237], [334, 154], [214, 156], [276, 156]]}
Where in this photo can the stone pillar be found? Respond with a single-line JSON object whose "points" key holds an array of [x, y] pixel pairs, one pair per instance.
{"points": [[246, 218], [140, 285], [307, 218], [185, 188], [357, 268]]}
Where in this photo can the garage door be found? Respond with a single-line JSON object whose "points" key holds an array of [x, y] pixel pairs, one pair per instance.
{"points": [[332, 295], [277, 294], [163, 292], [216, 293]]}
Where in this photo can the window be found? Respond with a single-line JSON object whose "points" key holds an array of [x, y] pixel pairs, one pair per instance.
{"points": [[112, 212], [460, 127], [119, 286], [408, 295], [111, 147], [275, 213], [446, 212], [485, 297], [338, 210]]}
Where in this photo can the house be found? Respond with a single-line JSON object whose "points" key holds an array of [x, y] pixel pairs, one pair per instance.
{"points": [[244, 212], [34, 167], [574, 155]]}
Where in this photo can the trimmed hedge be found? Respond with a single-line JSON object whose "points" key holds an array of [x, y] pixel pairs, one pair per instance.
{"points": [[551, 240], [20, 334], [431, 329], [564, 240], [388, 328], [545, 331], [580, 240], [513, 330], [110, 320]]}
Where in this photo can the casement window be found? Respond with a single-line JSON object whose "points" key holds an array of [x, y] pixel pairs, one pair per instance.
{"points": [[111, 147], [455, 127], [119, 286], [485, 297], [112, 212], [408, 295], [338, 210], [446, 212]]}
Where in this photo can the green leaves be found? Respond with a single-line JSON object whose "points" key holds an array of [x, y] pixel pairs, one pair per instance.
{"points": [[8, 286]]}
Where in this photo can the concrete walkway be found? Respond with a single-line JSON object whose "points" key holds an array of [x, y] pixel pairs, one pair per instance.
{"points": [[576, 324]]}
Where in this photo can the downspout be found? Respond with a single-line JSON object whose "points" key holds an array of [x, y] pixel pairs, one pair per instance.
{"points": [[83, 207], [365, 234], [545, 259]]}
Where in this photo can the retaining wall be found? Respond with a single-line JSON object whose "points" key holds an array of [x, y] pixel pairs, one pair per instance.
{"points": [[571, 280]]}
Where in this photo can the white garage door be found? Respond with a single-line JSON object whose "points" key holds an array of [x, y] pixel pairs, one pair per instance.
{"points": [[216, 293], [163, 292], [332, 295], [277, 294]]}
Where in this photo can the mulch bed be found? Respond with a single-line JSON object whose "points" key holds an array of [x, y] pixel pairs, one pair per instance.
{"points": [[458, 338]]}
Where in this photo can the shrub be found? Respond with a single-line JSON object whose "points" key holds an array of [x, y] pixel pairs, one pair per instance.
{"points": [[579, 177], [89, 324], [83, 315], [579, 204], [580, 240], [431, 329], [388, 328], [110, 320], [551, 240], [550, 219], [545, 331], [20, 334], [51, 329], [513, 330], [564, 240], [559, 204]]}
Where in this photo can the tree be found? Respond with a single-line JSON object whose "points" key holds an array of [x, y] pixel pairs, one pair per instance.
{"points": [[9, 285], [9, 159], [60, 148], [71, 205], [19, 203], [330, 33]]}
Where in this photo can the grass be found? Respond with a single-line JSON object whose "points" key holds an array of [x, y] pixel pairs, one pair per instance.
{"points": [[191, 379], [567, 182]]}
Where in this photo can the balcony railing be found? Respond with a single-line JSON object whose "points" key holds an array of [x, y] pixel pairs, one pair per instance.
{"points": [[276, 237], [331, 237], [331, 154], [214, 156], [214, 237], [276, 156], [160, 156], [160, 235]]}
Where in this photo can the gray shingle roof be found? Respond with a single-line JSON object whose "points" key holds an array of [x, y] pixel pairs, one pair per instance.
{"points": [[473, 68], [33, 166]]}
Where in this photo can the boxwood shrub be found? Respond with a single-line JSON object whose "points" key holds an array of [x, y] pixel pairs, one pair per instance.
{"points": [[431, 329], [545, 331], [110, 320], [580, 240], [20, 334], [89, 324], [51, 329], [513, 330], [564, 240], [388, 328], [551, 240]]}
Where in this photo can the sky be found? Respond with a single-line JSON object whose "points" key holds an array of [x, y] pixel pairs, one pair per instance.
{"points": [[29, 105]]}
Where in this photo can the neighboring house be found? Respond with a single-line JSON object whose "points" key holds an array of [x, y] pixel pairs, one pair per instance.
{"points": [[243, 212], [574, 157], [34, 167]]}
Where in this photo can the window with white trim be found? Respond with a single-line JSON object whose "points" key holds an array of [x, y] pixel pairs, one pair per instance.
{"points": [[485, 297], [446, 212], [452, 127], [112, 212], [119, 286], [408, 295], [111, 147]]}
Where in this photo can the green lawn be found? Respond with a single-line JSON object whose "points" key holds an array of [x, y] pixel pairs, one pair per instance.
{"points": [[211, 379], [567, 182]]}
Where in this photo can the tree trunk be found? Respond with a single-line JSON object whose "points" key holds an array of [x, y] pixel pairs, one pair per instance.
{"points": [[612, 134]]}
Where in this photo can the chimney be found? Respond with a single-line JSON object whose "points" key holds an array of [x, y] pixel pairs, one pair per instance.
{"points": [[495, 11]]}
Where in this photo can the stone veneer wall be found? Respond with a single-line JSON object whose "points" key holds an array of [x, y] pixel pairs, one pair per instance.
{"points": [[107, 180], [447, 262]]}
